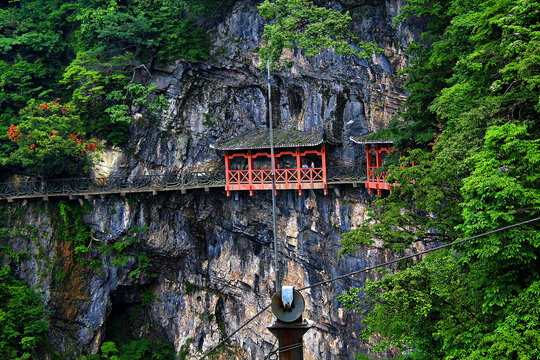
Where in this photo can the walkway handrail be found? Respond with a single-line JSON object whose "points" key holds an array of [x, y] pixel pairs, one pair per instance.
{"points": [[197, 179], [346, 174], [111, 184]]}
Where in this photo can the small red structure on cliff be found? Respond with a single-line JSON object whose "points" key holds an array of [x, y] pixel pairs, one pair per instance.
{"points": [[299, 159], [376, 151]]}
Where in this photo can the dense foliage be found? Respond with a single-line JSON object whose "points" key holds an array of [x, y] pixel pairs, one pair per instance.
{"points": [[50, 141], [141, 349], [86, 53], [303, 25], [471, 122], [23, 330]]}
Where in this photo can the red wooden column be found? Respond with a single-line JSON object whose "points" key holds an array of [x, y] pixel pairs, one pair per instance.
{"points": [[378, 154], [368, 165], [299, 171], [227, 174], [250, 172], [323, 158]]}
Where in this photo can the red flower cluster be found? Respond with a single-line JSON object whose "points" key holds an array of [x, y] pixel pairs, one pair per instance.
{"points": [[13, 133], [54, 133], [88, 146], [32, 146], [53, 105], [76, 138]]}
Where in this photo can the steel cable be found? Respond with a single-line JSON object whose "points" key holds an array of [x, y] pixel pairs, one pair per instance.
{"points": [[234, 332], [417, 254]]}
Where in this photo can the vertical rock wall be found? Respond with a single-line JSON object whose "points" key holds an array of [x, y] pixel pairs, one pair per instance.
{"points": [[227, 96]]}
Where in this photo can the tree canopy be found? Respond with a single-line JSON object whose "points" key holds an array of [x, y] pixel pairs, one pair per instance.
{"points": [[310, 28], [23, 330], [85, 53], [471, 125]]}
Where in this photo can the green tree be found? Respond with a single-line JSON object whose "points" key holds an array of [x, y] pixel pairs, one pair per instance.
{"points": [[82, 51], [135, 95], [23, 330], [33, 52], [141, 349], [302, 24], [472, 121], [50, 142]]}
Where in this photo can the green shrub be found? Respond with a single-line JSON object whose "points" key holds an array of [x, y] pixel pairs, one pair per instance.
{"points": [[49, 141], [23, 329]]}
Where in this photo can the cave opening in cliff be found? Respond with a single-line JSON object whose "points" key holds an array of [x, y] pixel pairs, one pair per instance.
{"points": [[129, 324], [123, 322]]}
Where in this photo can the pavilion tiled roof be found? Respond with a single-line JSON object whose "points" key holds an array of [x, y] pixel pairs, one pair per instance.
{"points": [[260, 139], [363, 140]]}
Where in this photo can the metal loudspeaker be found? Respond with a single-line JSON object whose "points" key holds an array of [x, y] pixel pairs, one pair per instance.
{"points": [[288, 304]]}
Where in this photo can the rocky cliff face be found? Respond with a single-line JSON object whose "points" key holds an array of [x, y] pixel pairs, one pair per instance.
{"points": [[198, 265]]}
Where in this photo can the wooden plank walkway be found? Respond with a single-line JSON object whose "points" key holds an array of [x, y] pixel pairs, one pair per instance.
{"points": [[182, 182]]}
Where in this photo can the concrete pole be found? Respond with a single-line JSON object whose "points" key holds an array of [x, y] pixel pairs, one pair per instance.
{"points": [[276, 263]]}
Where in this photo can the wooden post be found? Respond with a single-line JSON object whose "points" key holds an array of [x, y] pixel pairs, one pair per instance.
{"points": [[368, 160], [368, 167], [227, 174], [299, 171], [323, 158], [378, 154], [250, 172], [380, 176]]}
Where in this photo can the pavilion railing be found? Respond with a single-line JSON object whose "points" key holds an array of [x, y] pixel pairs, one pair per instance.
{"points": [[262, 176], [333, 174], [374, 175], [311, 175], [170, 181], [239, 176]]}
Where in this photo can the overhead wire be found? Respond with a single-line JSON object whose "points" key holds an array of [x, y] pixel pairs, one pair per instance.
{"points": [[289, 347], [372, 268], [416, 254], [273, 351], [283, 349], [234, 332]]}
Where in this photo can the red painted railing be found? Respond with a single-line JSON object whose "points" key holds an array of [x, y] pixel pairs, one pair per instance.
{"points": [[283, 176], [312, 175], [262, 176], [376, 176], [261, 179], [376, 179], [239, 176]]}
